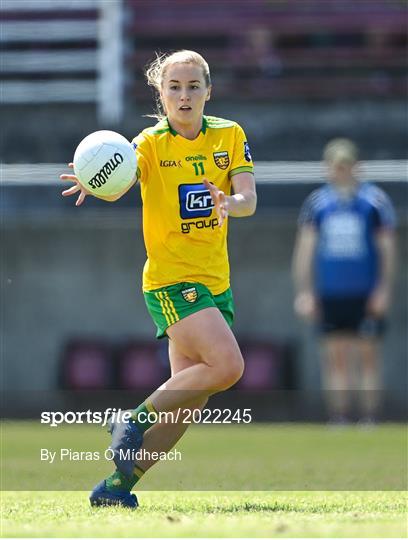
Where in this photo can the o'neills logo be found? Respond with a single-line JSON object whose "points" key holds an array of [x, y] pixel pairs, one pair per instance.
{"points": [[100, 177], [199, 157]]}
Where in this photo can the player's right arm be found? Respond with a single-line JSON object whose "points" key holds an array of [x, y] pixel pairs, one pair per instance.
{"points": [[305, 304], [82, 192], [302, 269], [143, 151]]}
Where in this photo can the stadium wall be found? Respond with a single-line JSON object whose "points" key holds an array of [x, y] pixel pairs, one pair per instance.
{"points": [[78, 273], [276, 130]]}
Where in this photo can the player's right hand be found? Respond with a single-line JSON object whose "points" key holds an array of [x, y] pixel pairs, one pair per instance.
{"points": [[305, 305], [77, 187]]}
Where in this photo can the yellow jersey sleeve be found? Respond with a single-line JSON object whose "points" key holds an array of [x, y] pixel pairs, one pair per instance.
{"points": [[241, 158], [142, 147]]}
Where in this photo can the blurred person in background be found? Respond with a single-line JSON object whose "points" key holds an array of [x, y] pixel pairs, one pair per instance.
{"points": [[343, 266], [195, 171]]}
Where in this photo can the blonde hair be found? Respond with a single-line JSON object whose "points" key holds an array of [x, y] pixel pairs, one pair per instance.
{"points": [[156, 70], [340, 151]]}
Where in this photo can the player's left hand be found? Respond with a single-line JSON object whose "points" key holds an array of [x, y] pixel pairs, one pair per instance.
{"points": [[306, 306], [220, 201], [379, 301]]}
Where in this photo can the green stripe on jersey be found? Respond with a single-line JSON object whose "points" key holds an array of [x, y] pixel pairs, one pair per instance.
{"points": [[219, 126], [161, 127], [153, 131], [245, 168], [213, 121]]}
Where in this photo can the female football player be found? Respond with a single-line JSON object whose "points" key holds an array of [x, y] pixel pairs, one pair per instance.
{"points": [[195, 171], [343, 268]]}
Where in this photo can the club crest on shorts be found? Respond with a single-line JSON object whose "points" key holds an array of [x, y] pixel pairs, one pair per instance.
{"points": [[190, 295], [221, 159]]}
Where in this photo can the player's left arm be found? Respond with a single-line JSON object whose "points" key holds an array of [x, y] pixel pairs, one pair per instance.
{"points": [[380, 298], [384, 238], [241, 204]]}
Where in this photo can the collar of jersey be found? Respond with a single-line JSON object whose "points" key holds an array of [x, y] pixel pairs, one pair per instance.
{"points": [[336, 193], [203, 127]]}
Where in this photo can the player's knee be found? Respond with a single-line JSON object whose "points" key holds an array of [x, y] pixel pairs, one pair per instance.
{"points": [[229, 371]]}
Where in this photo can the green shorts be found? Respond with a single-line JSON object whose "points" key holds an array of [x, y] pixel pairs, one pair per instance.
{"points": [[168, 305]]}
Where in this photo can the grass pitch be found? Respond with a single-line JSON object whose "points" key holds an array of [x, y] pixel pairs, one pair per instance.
{"points": [[204, 514], [299, 481]]}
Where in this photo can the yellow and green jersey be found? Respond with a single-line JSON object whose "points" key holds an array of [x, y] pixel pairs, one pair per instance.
{"points": [[181, 233]]}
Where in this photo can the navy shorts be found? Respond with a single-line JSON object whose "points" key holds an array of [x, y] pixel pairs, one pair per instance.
{"points": [[349, 315]]}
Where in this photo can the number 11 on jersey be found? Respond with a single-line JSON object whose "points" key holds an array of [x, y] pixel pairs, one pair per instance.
{"points": [[198, 168]]}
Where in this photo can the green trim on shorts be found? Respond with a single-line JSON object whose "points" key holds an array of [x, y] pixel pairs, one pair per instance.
{"points": [[168, 305]]}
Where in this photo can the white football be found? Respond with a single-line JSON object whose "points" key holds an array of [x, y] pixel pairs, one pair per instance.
{"points": [[105, 163]]}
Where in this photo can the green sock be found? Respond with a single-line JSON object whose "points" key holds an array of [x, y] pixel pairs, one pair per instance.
{"points": [[145, 416], [117, 480]]}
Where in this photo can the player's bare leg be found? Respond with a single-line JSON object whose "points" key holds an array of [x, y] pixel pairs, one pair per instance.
{"points": [[205, 338], [370, 377], [336, 376], [164, 435], [205, 359]]}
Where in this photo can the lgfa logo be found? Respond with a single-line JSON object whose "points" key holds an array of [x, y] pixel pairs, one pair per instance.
{"points": [[170, 163]]}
